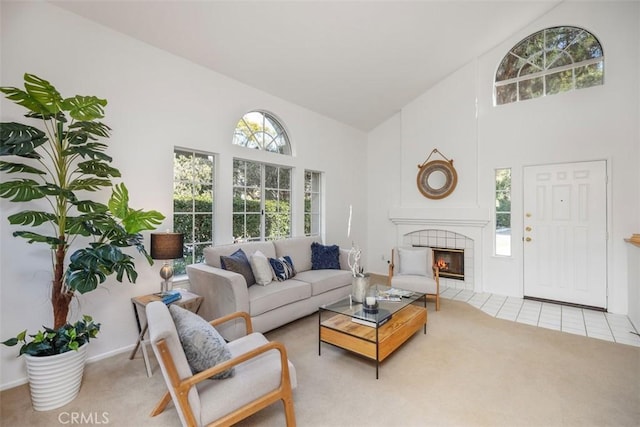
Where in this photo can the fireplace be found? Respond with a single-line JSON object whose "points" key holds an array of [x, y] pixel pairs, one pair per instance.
{"points": [[450, 262]]}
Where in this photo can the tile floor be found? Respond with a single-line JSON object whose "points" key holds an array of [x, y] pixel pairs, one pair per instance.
{"points": [[591, 323]]}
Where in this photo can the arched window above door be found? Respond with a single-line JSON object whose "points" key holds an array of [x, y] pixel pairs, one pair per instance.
{"points": [[551, 61], [262, 131]]}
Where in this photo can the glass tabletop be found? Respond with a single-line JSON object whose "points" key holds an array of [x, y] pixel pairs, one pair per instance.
{"points": [[390, 300]]}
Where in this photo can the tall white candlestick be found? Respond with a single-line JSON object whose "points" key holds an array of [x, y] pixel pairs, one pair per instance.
{"points": [[349, 226]]}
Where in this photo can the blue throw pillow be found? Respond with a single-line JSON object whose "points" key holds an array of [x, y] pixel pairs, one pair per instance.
{"points": [[282, 268], [239, 263], [325, 257]]}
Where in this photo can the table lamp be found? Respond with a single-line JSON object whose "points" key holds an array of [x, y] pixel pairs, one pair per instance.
{"points": [[167, 247]]}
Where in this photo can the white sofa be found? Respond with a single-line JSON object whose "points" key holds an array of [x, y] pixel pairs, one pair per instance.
{"points": [[272, 305]]}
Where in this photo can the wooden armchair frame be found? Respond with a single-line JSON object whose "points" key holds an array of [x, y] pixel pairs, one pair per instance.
{"points": [[436, 277], [181, 387]]}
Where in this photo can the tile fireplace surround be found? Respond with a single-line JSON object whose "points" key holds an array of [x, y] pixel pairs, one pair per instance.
{"points": [[455, 228]]}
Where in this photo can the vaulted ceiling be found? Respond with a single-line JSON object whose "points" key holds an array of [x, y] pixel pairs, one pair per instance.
{"points": [[358, 62]]}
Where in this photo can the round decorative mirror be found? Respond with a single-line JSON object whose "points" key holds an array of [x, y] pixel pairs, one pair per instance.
{"points": [[437, 179]]}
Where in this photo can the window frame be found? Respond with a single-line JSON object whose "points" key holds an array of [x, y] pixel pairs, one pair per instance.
{"points": [[269, 125], [497, 236], [192, 241], [263, 189], [315, 227], [547, 71]]}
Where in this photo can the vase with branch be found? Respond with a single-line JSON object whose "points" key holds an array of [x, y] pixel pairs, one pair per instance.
{"points": [[360, 280]]}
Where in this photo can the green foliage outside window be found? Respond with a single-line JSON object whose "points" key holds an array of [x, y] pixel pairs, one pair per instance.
{"points": [[551, 61], [192, 205], [503, 198]]}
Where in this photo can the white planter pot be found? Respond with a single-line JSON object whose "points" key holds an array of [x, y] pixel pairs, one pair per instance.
{"points": [[55, 380]]}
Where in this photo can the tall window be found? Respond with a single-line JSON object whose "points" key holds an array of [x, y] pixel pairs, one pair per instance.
{"points": [[312, 199], [192, 203], [503, 212], [262, 131], [551, 61], [261, 201]]}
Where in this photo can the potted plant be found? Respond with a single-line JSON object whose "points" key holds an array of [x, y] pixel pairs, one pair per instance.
{"points": [[61, 165]]}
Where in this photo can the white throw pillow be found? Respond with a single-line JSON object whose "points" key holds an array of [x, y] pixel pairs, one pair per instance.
{"points": [[413, 261], [261, 268]]}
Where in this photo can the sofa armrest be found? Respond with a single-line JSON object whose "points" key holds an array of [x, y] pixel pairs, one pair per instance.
{"points": [[224, 292]]}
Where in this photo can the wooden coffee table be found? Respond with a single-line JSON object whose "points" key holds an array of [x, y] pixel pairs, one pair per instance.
{"points": [[337, 326]]}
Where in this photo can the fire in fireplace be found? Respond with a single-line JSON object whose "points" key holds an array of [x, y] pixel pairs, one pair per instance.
{"points": [[450, 262]]}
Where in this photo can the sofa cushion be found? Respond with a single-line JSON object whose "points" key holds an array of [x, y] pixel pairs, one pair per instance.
{"points": [[239, 263], [203, 346], [283, 268], [212, 253], [325, 257], [325, 280], [299, 249], [261, 268], [265, 298]]}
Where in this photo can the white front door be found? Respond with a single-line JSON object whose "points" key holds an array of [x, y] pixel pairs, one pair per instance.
{"points": [[565, 232]]}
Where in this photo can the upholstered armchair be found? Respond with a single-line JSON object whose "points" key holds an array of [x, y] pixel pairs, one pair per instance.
{"points": [[256, 374], [412, 268]]}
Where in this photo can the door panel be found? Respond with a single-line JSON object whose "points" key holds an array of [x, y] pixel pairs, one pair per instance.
{"points": [[565, 251]]}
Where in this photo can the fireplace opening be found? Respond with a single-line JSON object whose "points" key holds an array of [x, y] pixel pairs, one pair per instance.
{"points": [[450, 262]]}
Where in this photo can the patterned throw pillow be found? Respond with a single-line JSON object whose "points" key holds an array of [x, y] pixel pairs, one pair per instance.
{"points": [[325, 257], [239, 263], [282, 268], [203, 346]]}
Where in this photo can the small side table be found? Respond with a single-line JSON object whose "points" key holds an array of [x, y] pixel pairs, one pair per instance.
{"points": [[189, 301]]}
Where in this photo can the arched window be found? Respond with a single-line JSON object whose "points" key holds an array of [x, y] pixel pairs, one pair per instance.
{"points": [[262, 131], [554, 60]]}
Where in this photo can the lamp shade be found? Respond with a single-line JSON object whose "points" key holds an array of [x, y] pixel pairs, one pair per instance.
{"points": [[167, 245]]}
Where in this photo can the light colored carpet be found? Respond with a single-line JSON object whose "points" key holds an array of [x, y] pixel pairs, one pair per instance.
{"points": [[469, 370]]}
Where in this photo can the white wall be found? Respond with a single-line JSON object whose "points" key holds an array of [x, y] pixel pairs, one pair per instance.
{"points": [[156, 101], [589, 124]]}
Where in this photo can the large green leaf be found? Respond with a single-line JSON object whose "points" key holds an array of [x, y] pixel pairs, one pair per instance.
{"points": [[89, 184], [21, 190], [85, 107], [40, 97], [43, 92], [89, 128], [98, 168], [93, 150], [32, 218], [35, 237], [81, 225], [17, 139], [137, 220], [119, 201], [11, 167], [89, 267], [54, 190], [89, 206]]}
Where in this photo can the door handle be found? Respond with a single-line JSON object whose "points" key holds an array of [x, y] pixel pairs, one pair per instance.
{"points": [[528, 239]]}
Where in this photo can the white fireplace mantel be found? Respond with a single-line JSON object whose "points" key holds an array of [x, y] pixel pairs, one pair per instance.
{"points": [[460, 217]]}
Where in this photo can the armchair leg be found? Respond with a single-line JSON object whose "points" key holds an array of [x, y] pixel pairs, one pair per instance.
{"points": [[289, 412], [438, 302], [162, 404]]}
